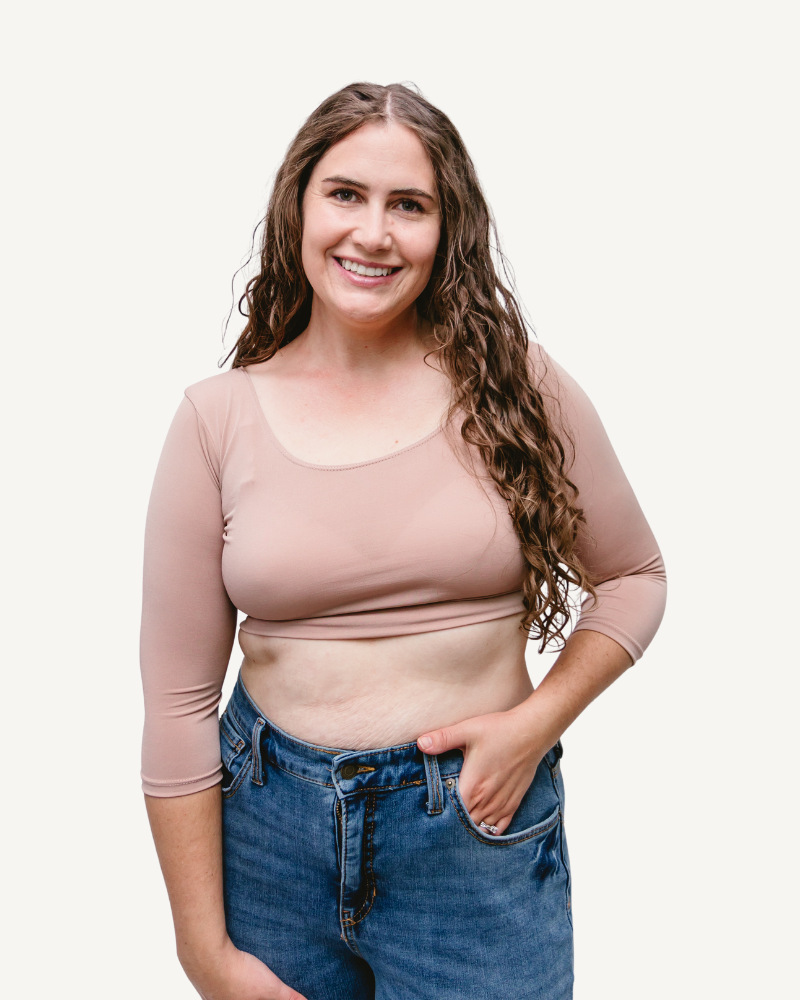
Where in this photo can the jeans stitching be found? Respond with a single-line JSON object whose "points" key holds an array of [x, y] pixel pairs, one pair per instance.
{"points": [[302, 777], [568, 900], [239, 745], [330, 751], [258, 767], [234, 785], [369, 823], [235, 720], [330, 784], [503, 843], [344, 921], [344, 867], [434, 780], [562, 836]]}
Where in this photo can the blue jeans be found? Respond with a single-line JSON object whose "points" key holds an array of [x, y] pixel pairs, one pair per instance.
{"points": [[359, 875]]}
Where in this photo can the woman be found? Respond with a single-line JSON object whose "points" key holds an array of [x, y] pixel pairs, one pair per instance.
{"points": [[398, 491]]}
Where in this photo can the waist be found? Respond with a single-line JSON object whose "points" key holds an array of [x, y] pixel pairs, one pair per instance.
{"points": [[386, 691], [381, 767]]}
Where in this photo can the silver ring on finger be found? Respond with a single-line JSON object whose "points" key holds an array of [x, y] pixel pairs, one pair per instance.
{"points": [[487, 826]]}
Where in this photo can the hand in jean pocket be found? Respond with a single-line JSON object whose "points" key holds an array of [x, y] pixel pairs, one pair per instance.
{"points": [[501, 756]]}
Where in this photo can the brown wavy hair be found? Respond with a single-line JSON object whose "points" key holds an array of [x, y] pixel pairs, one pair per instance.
{"points": [[479, 329]]}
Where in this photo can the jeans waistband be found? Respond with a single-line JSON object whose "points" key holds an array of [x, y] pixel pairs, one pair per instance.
{"points": [[350, 772]]}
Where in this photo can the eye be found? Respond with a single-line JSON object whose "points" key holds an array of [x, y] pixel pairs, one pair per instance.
{"points": [[408, 205], [345, 195]]}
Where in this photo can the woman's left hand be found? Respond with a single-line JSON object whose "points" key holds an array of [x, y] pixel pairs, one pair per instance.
{"points": [[501, 753]]}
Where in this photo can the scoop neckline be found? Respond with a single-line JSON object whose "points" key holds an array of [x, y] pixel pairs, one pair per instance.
{"points": [[329, 468]]}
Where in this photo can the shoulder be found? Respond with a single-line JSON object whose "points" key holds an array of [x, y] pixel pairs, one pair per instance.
{"points": [[548, 377], [222, 388], [217, 394], [568, 406], [219, 401]]}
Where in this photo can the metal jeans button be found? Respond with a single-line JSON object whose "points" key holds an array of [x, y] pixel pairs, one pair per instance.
{"points": [[349, 770]]}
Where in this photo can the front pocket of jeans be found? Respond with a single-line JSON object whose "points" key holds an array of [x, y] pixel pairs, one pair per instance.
{"points": [[539, 829], [235, 753]]}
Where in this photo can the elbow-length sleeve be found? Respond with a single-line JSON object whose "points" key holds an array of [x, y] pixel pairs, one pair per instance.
{"points": [[616, 545], [188, 620]]}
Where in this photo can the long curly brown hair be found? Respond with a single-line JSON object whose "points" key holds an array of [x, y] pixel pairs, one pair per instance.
{"points": [[477, 324]]}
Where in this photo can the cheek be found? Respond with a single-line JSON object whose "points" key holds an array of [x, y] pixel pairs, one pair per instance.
{"points": [[321, 231], [421, 247]]}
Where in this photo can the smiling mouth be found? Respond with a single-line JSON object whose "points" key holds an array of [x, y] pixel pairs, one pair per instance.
{"points": [[368, 270]]}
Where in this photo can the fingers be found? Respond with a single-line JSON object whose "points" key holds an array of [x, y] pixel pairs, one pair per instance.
{"points": [[492, 798], [500, 761], [441, 740], [493, 820]]}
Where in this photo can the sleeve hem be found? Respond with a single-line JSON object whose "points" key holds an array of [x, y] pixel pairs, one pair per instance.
{"points": [[171, 789], [612, 631]]}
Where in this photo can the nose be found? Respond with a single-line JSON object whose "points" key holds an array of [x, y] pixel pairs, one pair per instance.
{"points": [[373, 229]]}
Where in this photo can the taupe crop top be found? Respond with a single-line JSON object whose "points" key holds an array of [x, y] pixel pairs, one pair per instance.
{"points": [[412, 542]]}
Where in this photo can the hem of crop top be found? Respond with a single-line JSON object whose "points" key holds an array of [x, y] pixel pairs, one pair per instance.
{"points": [[385, 622], [329, 468]]}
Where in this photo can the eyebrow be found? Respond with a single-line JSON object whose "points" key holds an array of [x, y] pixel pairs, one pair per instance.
{"points": [[416, 192]]}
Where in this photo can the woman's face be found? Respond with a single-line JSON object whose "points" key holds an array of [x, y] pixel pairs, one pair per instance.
{"points": [[371, 206]]}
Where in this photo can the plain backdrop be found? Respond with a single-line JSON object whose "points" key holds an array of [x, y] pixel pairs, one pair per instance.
{"points": [[642, 161]]}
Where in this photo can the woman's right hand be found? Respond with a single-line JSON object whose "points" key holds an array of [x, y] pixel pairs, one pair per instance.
{"points": [[237, 975]]}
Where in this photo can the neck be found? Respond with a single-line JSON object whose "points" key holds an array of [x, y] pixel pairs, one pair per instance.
{"points": [[338, 345]]}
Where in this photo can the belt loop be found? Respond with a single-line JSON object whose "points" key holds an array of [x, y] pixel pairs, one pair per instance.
{"points": [[434, 784], [258, 777]]}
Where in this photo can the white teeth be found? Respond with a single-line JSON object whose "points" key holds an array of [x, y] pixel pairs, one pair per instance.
{"points": [[350, 265]]}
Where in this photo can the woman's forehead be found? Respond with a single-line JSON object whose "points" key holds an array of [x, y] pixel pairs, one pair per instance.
{"points": [[379, 154]]}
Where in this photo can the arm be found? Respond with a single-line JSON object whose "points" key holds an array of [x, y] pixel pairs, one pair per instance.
{"points": [[188, 625], [188, 834], [502, 750]]}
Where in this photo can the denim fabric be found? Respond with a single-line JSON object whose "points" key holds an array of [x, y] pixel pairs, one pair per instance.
{"points": [[359, 874]]}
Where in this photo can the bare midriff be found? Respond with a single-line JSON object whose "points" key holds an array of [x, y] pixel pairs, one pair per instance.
{"points": [[358, 694]]}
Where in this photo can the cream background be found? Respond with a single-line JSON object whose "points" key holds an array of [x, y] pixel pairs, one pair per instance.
{"points": [[642, 162]]}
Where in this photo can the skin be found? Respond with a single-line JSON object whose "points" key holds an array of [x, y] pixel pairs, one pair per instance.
{"points": [[352, 387]]}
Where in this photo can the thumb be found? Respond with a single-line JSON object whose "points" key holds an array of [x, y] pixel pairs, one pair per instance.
{"points": [[440, 740]]}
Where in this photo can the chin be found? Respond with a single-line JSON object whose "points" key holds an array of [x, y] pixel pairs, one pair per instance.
{"points": [[367, 312], [367, 317]]}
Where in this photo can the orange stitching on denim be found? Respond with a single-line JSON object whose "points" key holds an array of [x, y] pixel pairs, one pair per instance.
{"points": [[352, 921], [434, 779], [502, 843], [389, 788], [239, 745], [302, 777], [344, 859], [345, 922], [369, 829], [363, 788], [237, 781], [349, 939], [235, 721]]}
